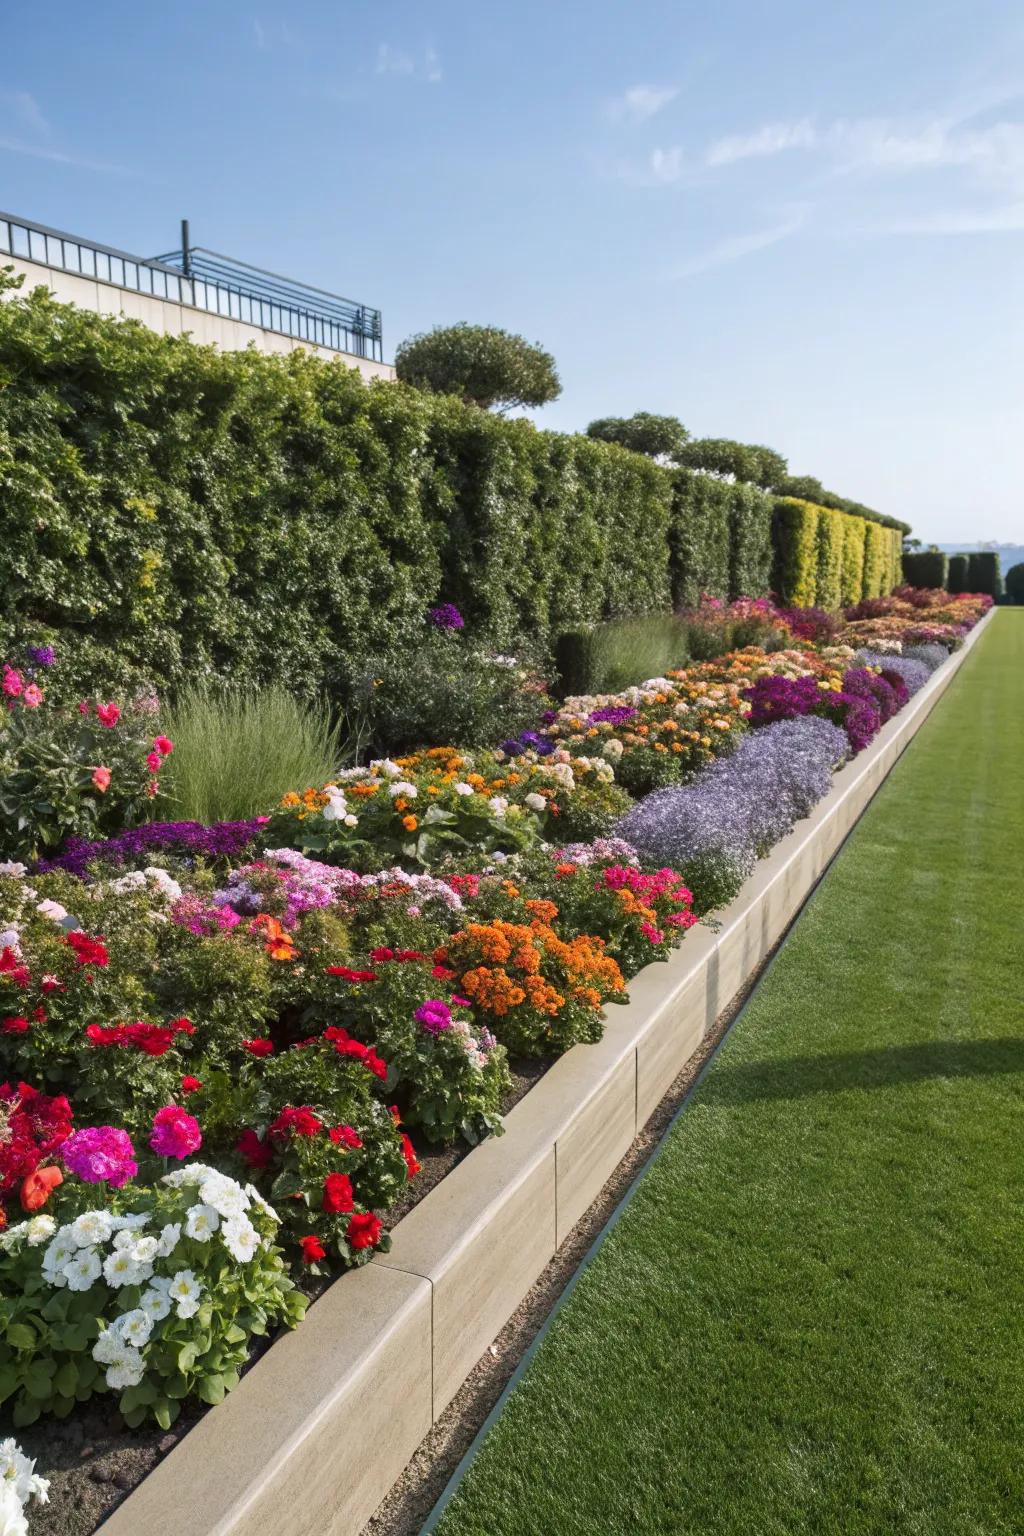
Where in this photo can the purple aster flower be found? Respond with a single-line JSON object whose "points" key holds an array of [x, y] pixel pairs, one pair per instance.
{"points": [[512, 748], [42, 655], [447, 616], [613, 714], [220, 840]]}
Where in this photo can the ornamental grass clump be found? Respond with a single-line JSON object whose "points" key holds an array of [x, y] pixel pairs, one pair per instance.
{"points": [[714, 829]]}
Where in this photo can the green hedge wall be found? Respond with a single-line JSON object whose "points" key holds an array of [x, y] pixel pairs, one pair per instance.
{"points": [[983, 574], [959, 572], [926, 568], [172, 512]]}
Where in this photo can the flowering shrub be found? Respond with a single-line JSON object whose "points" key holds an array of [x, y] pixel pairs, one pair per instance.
{"points": [[417, 810], [189, 839], [912, 672], [154, 1295], [70, 772], [537, 992]]}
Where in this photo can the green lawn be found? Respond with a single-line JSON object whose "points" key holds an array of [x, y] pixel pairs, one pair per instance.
{"points": [[810, 1318]]}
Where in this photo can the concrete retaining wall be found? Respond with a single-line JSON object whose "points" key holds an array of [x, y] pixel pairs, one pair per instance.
{"points": [[169, 318], [316, 1433]]}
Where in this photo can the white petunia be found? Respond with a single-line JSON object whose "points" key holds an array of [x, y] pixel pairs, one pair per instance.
{"points": [[13, 868], [155, 1303], [350, 820], [189, 1173], [461, 788], [224, 1194], [53, 910], [130, 1221], [402, 787], [536, 802], [81, 1271], [127, 1370], [498, 804], [257, 1199], [90, 1228], [169, 1239], [240, 1238], [18, 1474], [185, 1292], [135, 1326], [201, 1223], [119, 1268], [39, 1230]]}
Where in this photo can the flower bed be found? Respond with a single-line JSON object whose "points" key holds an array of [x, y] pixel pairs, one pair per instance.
{"points": [[308, 1000]]}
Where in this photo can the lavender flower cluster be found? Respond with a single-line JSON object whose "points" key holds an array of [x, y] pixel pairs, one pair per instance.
{"points": [[930, 656], [220, 840], [914, 674], [714, 829]]}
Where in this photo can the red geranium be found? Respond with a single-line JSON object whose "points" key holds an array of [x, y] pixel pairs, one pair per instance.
{"points": [[409, 1153], [348, 974], [345, 1136], [259, 1047], [337, 1195], [312, 1249], [257, 1153], [363, 1230], [87, 951], [297, 1122]]}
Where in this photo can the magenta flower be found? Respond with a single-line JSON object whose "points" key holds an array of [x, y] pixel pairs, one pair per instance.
{"points": [[176, 1133], [435, 1016], [101, 1154]]}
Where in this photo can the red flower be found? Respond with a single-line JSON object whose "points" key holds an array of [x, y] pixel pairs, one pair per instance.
{"points": [[259, 1047], [408, 1152], [337, 1195], [299, 1122], [381, 953], [101, 779], [363, 1230], [11, 966], [87, 951], [348, 974], [345, 1136], [190, 1085], [162, 745], [108, 715], [312, 1249], [257, 1153], [153, 761], [15, 1025], [39, 1186], [443, 973]]}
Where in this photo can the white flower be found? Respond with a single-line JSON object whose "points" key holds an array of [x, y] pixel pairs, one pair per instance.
{"points": [[189, 1173], [18, 1474], [163, 882], [53, 910], [83, 1269], [107, 1347], [201, 1223], [336, 808], [10, 938], [155, 1303], [144, 1249], [90, 1228], [127, 1370], [12, 1512], [536, 802], [257, 1199], [498, 804], [59, 1252], [613, 749], [498, 857], [350, 820], [463, 789], [240, 1238], [185, 1291], [135, 1326], [402, 787], [226, 1197], [120, 1268], [169, 1239], [40, 1230], [129, 1222], [13, 868], [386, 766]]}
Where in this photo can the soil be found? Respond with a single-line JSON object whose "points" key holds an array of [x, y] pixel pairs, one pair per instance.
{"points": [[93, 1461]]}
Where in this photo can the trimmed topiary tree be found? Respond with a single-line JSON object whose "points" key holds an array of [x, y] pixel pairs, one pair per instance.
{"points": [[659, 437], [959, 573], [983, 573], [926, 568], [1015, 584], [481, 364]]}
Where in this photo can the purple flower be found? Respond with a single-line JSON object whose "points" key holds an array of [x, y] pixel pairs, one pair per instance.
{"points": [[782, 698], [101, 1154], [614, 714], [42, 655], [435, 1016], [512, 748], [220, 840], [447, 616]]}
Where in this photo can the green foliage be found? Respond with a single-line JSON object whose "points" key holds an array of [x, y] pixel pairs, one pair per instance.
{"points": [[829, 588], [238, 750], [851, 584], [659, 437], [959, 574], [807, 488], [1015, 583], [927, 568], [796, 544], [750, 541], [699, 538], [737, 461], [606, 657], [481, 364], [875, 550], [983, 573]]}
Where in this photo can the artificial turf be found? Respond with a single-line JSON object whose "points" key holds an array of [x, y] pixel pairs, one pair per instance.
{"points": [[810, 1318]]}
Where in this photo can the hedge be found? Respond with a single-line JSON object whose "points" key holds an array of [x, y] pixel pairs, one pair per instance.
{"points": [[926, 568], [983, 573], [959, 573], [851, 581], [1015, 584], [829, 592], [173, 512]]}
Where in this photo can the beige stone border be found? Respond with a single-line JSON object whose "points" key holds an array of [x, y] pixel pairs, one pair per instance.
{"points": [[316, 1433]]}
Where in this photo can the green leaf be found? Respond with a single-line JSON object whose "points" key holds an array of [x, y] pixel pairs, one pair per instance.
{"points": [[65, 1382], [211, 1389], [21, 1336], [26, 1411]]}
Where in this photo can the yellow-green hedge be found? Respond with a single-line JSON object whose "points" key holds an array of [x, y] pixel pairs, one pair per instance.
{"points": [[796, 544], [829, 593], [852, 584], [825, 558], [876, 560]]}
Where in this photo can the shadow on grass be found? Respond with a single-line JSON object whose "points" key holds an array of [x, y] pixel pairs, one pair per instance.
{"points": [[892, 1066]]}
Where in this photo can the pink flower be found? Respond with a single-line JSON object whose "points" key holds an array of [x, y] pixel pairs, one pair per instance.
{"points": [[33, 696], [651, 933], [12, 683], [101, 1154], [84, 707], [108, 715], [175, 1132], [162, 745], [153, 762], [101, 779]]}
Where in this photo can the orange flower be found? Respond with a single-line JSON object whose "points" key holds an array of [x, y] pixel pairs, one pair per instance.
{"points": [[38, 1187], [410, 823]]}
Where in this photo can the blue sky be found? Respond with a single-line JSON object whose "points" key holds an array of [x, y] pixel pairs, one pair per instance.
{"points": [[797, 224]]}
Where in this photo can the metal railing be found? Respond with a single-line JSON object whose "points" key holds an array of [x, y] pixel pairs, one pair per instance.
{"points": [[205, 280]]}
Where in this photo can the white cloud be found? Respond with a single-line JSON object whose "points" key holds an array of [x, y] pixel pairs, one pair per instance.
{"points": [[961, 221], [41, 152], [396, 61], [736, 247], [771, 139], [260, 34], [26, 109], [667, 165], [642, 101]]}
